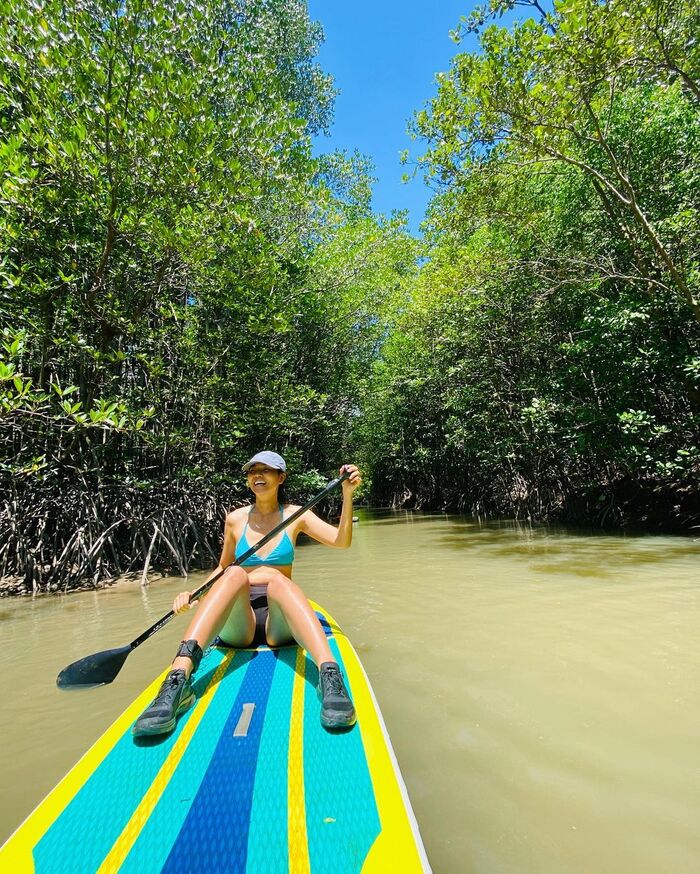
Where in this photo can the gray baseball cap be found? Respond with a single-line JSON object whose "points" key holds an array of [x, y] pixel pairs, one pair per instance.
{"points": [[270, 458]]}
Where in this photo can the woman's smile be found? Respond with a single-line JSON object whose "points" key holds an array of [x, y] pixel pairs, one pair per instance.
{"points": [[258, 479]]}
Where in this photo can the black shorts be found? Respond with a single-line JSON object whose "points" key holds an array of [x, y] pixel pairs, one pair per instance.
{"points": [[258, 601]]}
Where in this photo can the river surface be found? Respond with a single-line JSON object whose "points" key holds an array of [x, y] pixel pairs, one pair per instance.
{"points": [[541, 686]]}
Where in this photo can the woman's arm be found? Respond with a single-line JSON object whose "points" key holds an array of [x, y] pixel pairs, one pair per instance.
{"points": [[340, 537], [228, 552]]}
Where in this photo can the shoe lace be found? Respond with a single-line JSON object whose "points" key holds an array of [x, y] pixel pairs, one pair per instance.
{"points": [[333, 682], [169, 688]]}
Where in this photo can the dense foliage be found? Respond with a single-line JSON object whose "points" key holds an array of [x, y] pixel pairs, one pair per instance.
{"points": [[549, 361], [182, 283]]}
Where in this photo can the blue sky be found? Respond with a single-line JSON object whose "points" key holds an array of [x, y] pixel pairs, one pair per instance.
{"points": [[384, 56]]}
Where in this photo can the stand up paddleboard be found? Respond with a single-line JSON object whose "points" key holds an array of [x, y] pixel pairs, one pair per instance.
{"points": [[249, 782]]}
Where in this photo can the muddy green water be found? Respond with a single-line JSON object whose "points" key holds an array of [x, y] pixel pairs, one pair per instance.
{"points": [[541, 686]]}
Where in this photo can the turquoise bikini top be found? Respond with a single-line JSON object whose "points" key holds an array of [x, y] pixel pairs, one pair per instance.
{"points": [[281, 555]]}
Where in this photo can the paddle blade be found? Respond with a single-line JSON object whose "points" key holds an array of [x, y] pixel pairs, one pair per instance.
{"points": [[94, 670]]}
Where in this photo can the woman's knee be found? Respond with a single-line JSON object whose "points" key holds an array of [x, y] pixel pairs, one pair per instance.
{"points": [[277, 585], [235, 575], [233, 581]]}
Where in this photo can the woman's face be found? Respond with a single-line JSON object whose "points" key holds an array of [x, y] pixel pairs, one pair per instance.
{"points": [[263, 479]]}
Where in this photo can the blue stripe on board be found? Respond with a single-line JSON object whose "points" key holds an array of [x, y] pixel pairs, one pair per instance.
{"points": [[267, 840], [77, 842], [153, 845], [342, 821], [214, 836], [324, 624]]}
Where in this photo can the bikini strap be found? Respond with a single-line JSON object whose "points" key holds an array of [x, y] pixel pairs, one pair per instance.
{"points": [[245, 527]]}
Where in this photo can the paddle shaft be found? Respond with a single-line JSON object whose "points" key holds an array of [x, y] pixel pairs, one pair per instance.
{"points": [[246, 555]]}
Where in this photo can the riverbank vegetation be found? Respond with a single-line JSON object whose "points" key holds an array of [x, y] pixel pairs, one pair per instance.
{"points": [[181, 282], [549, 360]]}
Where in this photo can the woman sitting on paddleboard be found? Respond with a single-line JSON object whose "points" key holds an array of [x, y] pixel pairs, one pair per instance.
{"points": [[258, 601]]}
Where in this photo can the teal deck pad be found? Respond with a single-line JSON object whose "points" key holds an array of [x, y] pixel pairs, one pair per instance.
{"points": [[112, 792], [224, 793], [267, 839], [342, 821], [222, 805], [214, 836], [152, 846]]}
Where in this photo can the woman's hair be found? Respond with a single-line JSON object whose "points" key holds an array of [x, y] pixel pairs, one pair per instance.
{"points": [[282, 493]]}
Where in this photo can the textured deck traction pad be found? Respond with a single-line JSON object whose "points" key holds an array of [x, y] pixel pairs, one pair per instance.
{"points": [[283, 795]]}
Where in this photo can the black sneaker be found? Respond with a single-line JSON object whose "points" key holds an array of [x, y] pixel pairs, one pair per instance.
{"points": [[336, 707], [175, 696]]}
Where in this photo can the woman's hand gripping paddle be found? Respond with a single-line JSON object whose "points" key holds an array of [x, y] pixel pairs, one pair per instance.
{"points": [[103, 667]]}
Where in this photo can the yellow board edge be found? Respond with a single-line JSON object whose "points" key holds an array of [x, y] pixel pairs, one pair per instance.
{"points": [[16, 854]]}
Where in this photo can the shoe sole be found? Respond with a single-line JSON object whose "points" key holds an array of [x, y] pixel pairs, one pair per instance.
{"points": [[164, 727], [335, 719]]}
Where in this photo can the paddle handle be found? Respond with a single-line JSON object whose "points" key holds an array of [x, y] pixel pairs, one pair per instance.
{"points": [[246, 555]]}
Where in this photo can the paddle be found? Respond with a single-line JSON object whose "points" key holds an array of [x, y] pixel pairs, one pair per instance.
{"points": [[103, 667]]}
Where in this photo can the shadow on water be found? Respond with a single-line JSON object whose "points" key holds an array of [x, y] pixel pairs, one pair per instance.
{"points": [[545, 546], [562, 550], [398, 517]]}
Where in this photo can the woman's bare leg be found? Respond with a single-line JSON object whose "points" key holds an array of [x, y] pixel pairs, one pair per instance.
{"points": [[227, 604], [291, 615]]}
